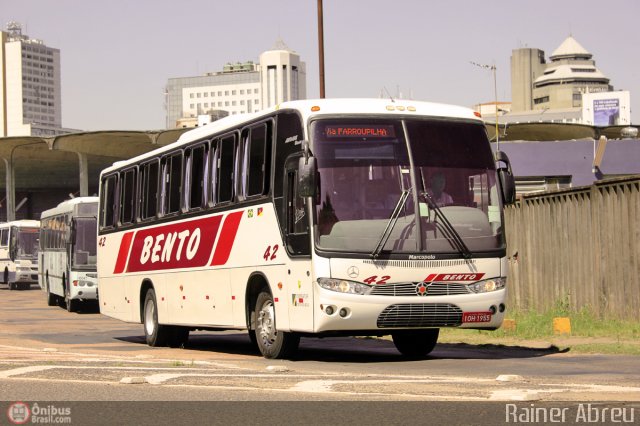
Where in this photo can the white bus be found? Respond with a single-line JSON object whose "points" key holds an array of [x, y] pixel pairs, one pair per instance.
{"points": [[67, 271], [313, 218], [18, 253]]}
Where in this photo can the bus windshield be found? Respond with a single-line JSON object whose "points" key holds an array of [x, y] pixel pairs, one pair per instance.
{"points": [[84, 244], [441, 169], [28, 240]]}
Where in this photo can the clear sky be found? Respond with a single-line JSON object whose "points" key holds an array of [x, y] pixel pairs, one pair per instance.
{"points": [[117, 55]]}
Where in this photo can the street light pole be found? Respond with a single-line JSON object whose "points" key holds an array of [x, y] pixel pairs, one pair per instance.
{"points": [[495, 94], [321, 47]]}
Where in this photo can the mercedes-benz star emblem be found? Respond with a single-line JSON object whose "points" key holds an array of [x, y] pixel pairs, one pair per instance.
{"points": [[421, 289], [353, 272]]}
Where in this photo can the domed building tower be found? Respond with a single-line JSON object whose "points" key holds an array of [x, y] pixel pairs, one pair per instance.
{"points": [[571, 73]]}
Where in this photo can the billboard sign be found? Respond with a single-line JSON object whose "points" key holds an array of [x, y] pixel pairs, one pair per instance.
{"points": [[606, 112]]}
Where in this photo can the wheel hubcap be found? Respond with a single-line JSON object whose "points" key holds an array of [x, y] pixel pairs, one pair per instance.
{"points": [[266, 324], [149, 323]]}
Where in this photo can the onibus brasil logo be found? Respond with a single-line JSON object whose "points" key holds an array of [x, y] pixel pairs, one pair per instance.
{"points": [[19, 413]]}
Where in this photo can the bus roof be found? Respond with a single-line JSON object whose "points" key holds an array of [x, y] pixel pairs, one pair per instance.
{"points": [[26, 223], [68, 205], [313, 108]]}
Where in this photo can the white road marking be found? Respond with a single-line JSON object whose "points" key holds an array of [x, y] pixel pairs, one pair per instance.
{"points": [[25, 370]]}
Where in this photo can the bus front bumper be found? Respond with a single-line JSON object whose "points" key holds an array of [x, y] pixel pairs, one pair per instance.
{"points": [[348, 312]]}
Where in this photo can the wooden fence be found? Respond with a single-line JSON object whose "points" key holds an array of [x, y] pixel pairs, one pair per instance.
{"points": [[581, 246]]}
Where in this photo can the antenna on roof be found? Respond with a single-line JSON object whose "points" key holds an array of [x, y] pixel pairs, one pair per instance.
{"points": [[390, 97]]}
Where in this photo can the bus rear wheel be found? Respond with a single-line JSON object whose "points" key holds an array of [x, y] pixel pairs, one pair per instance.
{"points": [[415, 344], [271, 342], [158, 334], [52, 299]]}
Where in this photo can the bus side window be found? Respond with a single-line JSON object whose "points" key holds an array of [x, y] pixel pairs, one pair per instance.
{"points": [[108, 202], [225, 169], [4, 237], [148, 190], [213, 173], [194, 180], [127, 196], [171, 183], [257, 159]]}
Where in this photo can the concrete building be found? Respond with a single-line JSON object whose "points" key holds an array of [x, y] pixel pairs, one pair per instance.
{"points": [[29, 85], [239, 88], [558, 84], [567, 89]]}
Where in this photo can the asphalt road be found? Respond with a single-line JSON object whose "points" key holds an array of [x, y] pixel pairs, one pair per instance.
{"points": [[48, 354]]}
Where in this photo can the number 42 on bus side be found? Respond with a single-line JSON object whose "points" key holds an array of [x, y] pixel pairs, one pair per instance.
{"points": [[270, 253]]}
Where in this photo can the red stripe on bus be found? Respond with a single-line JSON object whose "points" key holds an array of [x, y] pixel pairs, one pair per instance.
{"points": [[226, 239], [123, 253], [178, 245], [430, 278]]}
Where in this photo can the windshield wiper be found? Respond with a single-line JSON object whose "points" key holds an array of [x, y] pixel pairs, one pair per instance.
{"points": [[449, 230], [391, 223]]}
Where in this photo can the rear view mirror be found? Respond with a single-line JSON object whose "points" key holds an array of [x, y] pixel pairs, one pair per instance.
{"points": [[505, 175], [307, 171]]}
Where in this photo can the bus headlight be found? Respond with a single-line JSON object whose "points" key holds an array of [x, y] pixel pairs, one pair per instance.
{"points": [[343, 286], [486, 286]]}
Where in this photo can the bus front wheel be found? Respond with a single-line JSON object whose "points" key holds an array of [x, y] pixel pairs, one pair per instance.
{"points": [[415, 343], [70, 304], [271, 342]]}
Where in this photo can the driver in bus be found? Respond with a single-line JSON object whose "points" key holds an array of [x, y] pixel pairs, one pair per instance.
{"points": [[437, 192]]}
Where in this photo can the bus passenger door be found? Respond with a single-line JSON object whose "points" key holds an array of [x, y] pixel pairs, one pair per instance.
{"points": [[298, 245]]}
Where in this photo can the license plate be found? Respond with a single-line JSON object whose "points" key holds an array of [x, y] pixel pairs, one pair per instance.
{"points": [[476, 317]]}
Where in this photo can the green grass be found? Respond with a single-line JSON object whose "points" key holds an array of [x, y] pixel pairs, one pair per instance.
{"points": [[589, 334]]}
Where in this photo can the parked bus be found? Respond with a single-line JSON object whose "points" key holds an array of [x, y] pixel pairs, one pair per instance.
{"points": [[313, 218], [67, 270], [18, 253]]}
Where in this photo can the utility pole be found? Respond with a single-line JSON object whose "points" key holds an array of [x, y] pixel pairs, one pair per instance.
{"points": [[321, 48], [495, 94]]}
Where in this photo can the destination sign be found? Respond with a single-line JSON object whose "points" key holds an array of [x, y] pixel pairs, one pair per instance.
{"points": [[360, 131]]}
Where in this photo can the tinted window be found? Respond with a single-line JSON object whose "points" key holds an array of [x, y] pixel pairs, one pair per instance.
{"points": [[256, 161], [195, 181], [127, 196], [149, 190], [226, 157], [171, 183], [108, 202]]}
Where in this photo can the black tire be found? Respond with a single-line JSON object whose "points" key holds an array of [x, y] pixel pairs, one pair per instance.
{"points": [[416, 344], [70, 304], [12, 286], [5, 277], [155, 334], [178, 336], [253, 338], [273, 344], [52, 299]]}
